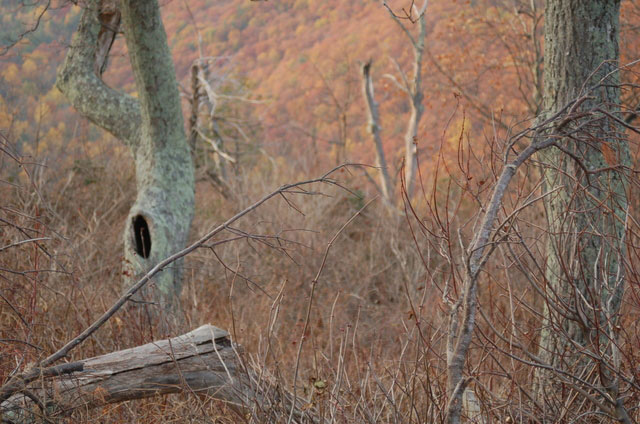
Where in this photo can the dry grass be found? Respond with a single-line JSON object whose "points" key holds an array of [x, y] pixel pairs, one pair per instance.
{"points": [[54, 287], [375, 341]]}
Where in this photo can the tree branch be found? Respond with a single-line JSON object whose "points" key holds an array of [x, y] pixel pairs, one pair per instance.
{"points": [[116, 112], [374, 128], [203, 361], [20, 381]]}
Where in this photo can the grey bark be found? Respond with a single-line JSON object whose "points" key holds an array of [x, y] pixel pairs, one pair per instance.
{"points": [[386, 187], [462, 314], [151, 125], [413, 89], [587, 213], [202, 362], [202, 127], [156, 368]]}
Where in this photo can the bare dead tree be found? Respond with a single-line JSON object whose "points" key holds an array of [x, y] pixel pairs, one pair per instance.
{"points": [[205, 136], [386, 185], [411, 86]]}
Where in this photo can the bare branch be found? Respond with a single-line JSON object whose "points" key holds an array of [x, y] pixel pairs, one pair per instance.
{"points": [[19, 382]]}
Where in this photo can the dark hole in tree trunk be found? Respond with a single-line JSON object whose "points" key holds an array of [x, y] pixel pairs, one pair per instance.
{"points": [[142, 236]]}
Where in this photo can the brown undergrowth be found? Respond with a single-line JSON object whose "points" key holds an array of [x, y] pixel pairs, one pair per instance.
{"points": [[373, 343]]}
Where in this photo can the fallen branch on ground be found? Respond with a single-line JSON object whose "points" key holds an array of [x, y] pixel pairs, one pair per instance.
{"points": [[202, 362]]}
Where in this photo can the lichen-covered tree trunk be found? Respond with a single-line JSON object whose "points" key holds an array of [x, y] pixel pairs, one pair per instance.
{"points": [[151, 125], [587, 207]]}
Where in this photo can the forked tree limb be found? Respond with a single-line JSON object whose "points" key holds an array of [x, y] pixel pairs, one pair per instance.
{"points": [[413, 89], [79, 79], [463, 315]]}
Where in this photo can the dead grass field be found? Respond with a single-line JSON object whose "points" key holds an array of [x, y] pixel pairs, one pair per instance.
{"points": [[374, 346]]}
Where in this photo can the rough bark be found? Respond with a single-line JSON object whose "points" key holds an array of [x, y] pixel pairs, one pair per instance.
{"points": [[587, 211], [202, 362], [151, 125], [115, 112], [194, 117], [386, 186]]}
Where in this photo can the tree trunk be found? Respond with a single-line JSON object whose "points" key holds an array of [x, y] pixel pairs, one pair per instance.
{"points": [[415, 101], [413, 90], [587, 211], [386, 187], [152, 126], [202, 127], [411, 144]]}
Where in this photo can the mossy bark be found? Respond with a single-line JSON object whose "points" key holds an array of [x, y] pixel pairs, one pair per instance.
{"points": [[152, 126], [588, 206]]}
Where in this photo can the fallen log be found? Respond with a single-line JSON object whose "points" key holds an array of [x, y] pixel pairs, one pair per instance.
{"points": [[203, 361]]}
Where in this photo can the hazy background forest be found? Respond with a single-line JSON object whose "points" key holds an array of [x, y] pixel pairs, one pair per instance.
{"points": [[287, 80]]}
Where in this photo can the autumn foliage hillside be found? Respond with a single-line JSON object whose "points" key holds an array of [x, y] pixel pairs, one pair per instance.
{"points": [[299, 60], [289, 89]]}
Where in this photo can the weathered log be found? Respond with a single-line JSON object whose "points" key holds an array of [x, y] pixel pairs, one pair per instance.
{"points": [[203, 361]]}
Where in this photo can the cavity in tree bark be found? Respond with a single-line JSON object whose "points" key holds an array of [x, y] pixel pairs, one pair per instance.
{"points": [[151, 125]]}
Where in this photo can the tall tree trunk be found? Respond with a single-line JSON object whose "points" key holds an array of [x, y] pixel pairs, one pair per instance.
{"points": [[413, 89], [386, 187], [414, 92], [151, 125], [587, 207], [417, 108]]}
